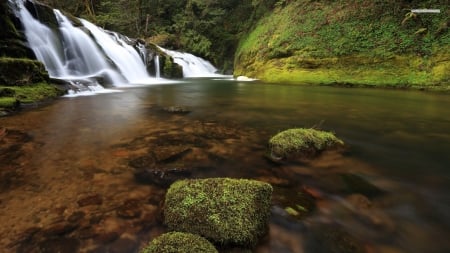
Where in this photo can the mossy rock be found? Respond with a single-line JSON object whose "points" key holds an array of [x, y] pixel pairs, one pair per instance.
{"points": [[177, 242], [301, 143], [43, 13], [21, 71], [226, 211]]}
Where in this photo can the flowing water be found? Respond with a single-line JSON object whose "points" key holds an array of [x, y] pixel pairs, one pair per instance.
{"points": [[68, 183]]}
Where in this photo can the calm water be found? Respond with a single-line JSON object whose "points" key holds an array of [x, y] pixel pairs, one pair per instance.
{"points": [[399, 141]]}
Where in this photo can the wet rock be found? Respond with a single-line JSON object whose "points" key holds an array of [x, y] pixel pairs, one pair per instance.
{"points": [[59, 245], [143, 162], [27, 235], [107, 237], [161, 176], [177, 109], [129, 210], [168, 154], [296, 202], [60, 228], [332, 239], [90, 200], [76, 216], [301, 144], [85, 233], [227, 211], [100, 249], [357, 184], [124, 245]]}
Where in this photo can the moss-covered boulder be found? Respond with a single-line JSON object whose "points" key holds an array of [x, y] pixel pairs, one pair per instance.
{"points": [[21, 71], [301, 143], [177, 242], [226, 211]]}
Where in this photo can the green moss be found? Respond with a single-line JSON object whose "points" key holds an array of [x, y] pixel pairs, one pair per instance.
{"points": [[30, 93], [226, 211], [355, 43], [302, 142], [8, 103], [21, 71], [177, 242]]}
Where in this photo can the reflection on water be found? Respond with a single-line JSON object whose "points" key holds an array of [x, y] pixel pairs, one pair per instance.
{"points": [[67, 183]]}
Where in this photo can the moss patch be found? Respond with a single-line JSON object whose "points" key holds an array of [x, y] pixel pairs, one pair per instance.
{"points": [[226, 211], [177, 242], [21, 71], [356, 43], [302, 142], [15, 95]]}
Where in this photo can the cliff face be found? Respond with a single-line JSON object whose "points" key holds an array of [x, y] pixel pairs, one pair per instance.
{"points": [[354, 42]]}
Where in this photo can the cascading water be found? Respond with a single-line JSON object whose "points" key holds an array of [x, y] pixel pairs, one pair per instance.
{"points": [[157, 68], [87, 55], [193, 66], [72, 54]]}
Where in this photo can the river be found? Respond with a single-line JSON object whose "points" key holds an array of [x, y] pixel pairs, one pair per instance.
{"points": [[66, 166]]}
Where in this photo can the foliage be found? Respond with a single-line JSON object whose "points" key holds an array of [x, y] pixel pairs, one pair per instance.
{"points": [[177, 242], [329, 33], [226, 211], [33, 93], [301, 141]]}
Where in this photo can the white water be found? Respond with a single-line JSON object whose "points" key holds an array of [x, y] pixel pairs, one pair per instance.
{"points": [[157, 70], [193, 66], [98, 56]]}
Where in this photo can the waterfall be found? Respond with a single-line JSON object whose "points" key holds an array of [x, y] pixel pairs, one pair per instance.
{"points": [[193, 66], [71, 53], [86, 55], [157, 70]]}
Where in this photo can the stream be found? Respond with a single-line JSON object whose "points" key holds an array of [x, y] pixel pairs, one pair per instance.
{"points": [[69, 184]]}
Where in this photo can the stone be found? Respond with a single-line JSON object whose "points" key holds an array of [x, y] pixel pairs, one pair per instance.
{"points": [[129, 210], [59, 245], [161, 176], [223, 210], [60, 228], [177, 109], [301, 143], [179, 242], [358, 184], [123, 245], [90, 200]]}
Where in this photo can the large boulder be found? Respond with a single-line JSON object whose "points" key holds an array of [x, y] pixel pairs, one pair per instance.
{"points": [[226, 211], [301, 143], [21, 71], [177, 242]]}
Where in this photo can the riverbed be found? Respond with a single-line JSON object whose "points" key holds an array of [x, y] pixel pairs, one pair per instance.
{"points": [[69, 180]]}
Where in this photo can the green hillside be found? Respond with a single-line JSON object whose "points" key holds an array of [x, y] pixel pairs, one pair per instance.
{"points": [[352, 42]]}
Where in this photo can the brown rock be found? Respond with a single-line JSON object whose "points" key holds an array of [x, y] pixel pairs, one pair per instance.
{"points": [[60, 228], [129, 210], [90, 200]]}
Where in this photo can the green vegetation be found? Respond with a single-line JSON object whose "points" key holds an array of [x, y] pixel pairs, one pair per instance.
{"points": [[177, 242], [21, 71], [349, 42], [302, 142], [226, 211], [26, 94]]}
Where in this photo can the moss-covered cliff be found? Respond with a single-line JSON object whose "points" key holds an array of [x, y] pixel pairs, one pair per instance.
{"points": [[355, 42]]}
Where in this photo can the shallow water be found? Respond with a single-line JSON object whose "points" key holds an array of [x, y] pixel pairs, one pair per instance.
{"points": [[79, 149]]}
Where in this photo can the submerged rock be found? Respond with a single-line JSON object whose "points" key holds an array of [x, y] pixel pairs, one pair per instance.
{"points": [[226, 211], [301, 143], [357, 184], [332, 239], [177, 242], [161, 176], [177, 109]]}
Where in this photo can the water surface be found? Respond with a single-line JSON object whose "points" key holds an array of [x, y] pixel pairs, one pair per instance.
{"points": [[80, 148]]}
